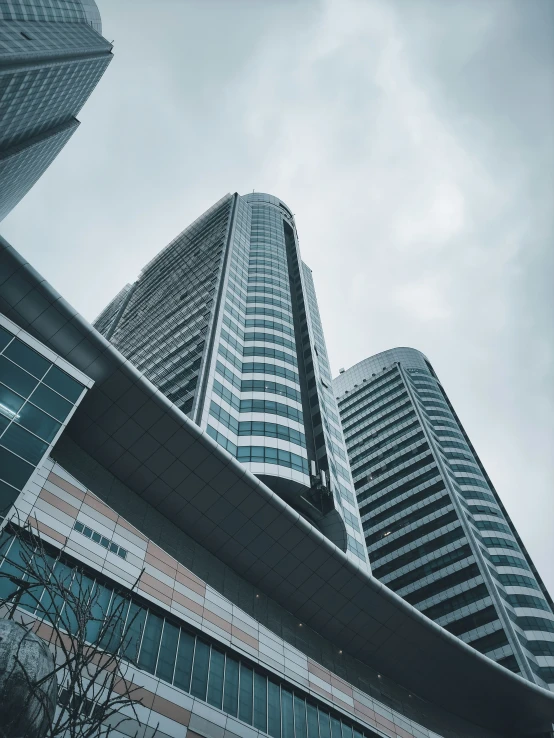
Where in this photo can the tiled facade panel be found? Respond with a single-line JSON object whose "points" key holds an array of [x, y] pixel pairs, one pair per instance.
{"points": [[435, 529], [55, 501]]}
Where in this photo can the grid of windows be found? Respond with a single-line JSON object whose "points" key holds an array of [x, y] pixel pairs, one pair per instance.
{"points": [[36, 397]]}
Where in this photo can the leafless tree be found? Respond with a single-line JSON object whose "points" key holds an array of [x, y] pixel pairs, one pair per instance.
{"points": [[92, 631]]}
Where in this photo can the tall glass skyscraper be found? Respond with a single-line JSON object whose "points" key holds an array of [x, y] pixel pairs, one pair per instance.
{"points": [[52, 55], [436, 530], [224, 321]]}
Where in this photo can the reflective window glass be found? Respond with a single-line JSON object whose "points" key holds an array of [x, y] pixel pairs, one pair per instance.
{"points": [[63, 383], [231, 693], [98, 609], [38, 422], [324, 725], [287, 714], [23, 444], [150, 643], [8, 495], [16, 378], [183, 667], [14, 470], [199, 681], [313, 727], [260, 702], [335, 728], [168, 652], [245, 701], [5, 338], [27, 358], [10, 403], [52, 403], [215, 682], [273, 710], [300, 717]]}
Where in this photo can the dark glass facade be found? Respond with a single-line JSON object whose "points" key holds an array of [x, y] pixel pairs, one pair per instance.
{"points": [[435, 529], [224, 321], [51, 58]]}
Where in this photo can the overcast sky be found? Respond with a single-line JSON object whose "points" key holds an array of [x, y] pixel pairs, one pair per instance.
{"points": [[413, 140]]}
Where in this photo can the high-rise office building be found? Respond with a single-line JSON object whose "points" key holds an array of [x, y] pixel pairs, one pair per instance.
{"points": [[224, 321], [52, 55], [436, 530], [252, 623]]}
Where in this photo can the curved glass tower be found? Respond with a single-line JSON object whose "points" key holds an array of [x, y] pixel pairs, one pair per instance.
{"points": [[224, 321], [52, 55], [436, 530]]}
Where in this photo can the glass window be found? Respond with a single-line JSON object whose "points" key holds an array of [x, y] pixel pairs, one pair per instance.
{"points": [[245, 702], [14, 470], [215, 682], [183, 667], [150, 643], [98, 609], [52, 403], [113, 634], [324, 725], [300, 717], [4, 422], [287, 713], [63, 383], [24, 444], [335, 728], [231, 695], [200, 670], [16, 378], [273, 710], [38, 422], [10, 403], [260, 702], [27, 358], [8, 495], [168, 652], [346, 731], [5, 338]]}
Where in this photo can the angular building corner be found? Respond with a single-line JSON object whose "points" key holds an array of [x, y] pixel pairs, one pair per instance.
{"points": [[436, 530], [224, 321], [52, 55]]}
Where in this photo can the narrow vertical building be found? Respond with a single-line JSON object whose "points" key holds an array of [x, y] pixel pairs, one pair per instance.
{"points": [[224, 321], [52, 55], [435, 528]]}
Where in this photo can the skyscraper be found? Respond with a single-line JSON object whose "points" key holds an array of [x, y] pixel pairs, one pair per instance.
{"points": [[245, 621], [436, 530], [52, 55], [224, 321]]}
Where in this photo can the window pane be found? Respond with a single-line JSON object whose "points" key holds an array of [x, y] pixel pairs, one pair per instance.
{"points": [[52, 403], [200, 670], [313, 728], [231, 696], [63, 383], [287, 713], [245, 703], [98, 610], [150, 643], [8, 495], [27, 358], [324, 726], [24, 444], [273, 710], [16, 378], [112, 635], [183, 667], [81, 588], [260, 702], [168, 652], [215, 681], [357, 734], [9, 402], [38, 422], [335, 728], [13, 470], [133, 632], [5, 338], [346, 731], [300, 717]]}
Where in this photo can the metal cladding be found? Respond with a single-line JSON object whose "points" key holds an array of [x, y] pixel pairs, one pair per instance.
{"points": [[436, 530]]}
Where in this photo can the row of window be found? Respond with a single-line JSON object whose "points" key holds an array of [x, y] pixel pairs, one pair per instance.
{"points": [[423, 549], [272, 430], [266, 455], [193, 662], [100, 539]]}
